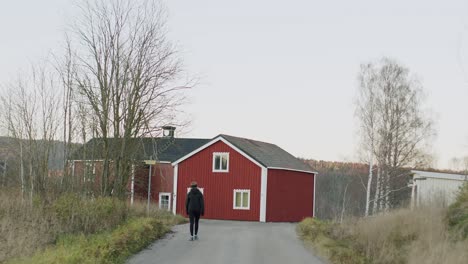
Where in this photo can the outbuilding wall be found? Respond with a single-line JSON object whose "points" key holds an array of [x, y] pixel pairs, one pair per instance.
{"points": [[290, 195]]}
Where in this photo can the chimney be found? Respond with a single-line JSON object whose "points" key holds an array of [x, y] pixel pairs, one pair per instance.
{"points": [[168, 131]]}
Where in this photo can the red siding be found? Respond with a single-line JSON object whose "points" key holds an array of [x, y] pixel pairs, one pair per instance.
{"points": [[162, 179], [290, 196], [219, 187]]}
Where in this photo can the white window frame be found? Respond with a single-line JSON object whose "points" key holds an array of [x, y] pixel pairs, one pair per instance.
{"points": [[241, 191], [89, 164], [201, 189], [169, 203], [221, 154]]}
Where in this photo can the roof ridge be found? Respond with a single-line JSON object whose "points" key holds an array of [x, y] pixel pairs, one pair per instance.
{"points": [[220, 135]]}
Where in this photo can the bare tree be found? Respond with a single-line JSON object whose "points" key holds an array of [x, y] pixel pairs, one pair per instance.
{"points": [[125, 74], [66, 69], [366, 112], [30, 112], [394, 125]]}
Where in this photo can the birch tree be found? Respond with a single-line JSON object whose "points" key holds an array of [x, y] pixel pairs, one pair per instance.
{"points": [[394, 125], [366, 112]]}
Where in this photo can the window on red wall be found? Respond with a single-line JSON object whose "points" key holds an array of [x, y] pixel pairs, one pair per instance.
{"points": [[220, 162], [241, 199]]}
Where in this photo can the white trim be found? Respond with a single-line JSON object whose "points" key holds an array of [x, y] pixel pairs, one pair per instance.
{"points": [[110, 160], [169, 202], [174, 189], [73, 170], [219, 138], [413, 193], [313, 204], [242, 191], [221, 155], [132, 186], [278, 168], [263, 194], [439, 175], [91, 160]]}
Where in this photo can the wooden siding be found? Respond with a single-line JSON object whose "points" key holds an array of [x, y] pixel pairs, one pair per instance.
{"points": [[436, 192], [219, 187], [290, 195], [162, 179]]}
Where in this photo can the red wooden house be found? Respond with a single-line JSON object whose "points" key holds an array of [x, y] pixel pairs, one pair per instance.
{"points": [[241, 179], [153, 156], [244, 179]]}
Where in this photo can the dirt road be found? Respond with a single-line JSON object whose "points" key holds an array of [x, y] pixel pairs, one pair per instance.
{"points": [[229, 242]]}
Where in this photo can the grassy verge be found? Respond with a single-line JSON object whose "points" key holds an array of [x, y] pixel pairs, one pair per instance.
{"points": [[427, 235], [106, 247], [321, 236], [76, 229]]}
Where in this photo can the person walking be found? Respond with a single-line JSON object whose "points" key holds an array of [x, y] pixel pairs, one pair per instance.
{"points": [[194, 207]]}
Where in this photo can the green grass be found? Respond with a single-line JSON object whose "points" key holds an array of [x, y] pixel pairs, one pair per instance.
{"points": [[321, 237], [106, 247]]}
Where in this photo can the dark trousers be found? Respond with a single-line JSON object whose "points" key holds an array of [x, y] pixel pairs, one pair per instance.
{"points": [[194, 218]]}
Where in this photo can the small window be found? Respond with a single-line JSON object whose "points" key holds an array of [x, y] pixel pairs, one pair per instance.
{"points": [[90, 171], [220, 162], [165, 201], [242, 199]]}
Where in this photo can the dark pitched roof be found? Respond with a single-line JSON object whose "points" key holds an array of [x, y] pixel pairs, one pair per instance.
{"points": [[161, 149], [269, 155], [171, 149]]}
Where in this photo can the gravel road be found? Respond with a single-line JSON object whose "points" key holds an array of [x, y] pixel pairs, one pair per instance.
{"points": [[229, 242]]}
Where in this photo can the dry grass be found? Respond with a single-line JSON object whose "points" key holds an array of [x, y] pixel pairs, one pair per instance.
{"points": [[406, 236], [26, 228], [402, 236]]}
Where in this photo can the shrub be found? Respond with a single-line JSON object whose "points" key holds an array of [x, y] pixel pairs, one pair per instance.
{"points": [[457, 215], [78, 214], [312, 228]]}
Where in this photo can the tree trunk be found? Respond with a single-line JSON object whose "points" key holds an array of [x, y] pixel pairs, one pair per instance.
{"points": [[377, 192], [369, 181]]}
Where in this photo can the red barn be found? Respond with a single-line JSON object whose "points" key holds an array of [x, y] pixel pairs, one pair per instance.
{"points": [[244, 179]]}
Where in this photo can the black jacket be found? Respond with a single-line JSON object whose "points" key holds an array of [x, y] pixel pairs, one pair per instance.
{"points": [[194, 202]]}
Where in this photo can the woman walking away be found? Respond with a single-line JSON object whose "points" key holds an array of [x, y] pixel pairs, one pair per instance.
{"points": [[194, 207]]}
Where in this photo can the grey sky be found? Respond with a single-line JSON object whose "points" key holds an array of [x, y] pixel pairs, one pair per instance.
{"points": [[285, 71]]}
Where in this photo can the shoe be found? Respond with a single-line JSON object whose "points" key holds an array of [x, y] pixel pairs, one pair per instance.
{"points": [[191, 238], [195, 237]]}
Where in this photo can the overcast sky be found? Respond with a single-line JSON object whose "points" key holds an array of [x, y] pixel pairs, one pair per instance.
{"points": [[285, 71]]}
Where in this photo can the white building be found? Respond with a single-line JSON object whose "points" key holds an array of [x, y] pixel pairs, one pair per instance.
{"points": [[434, 188]]}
